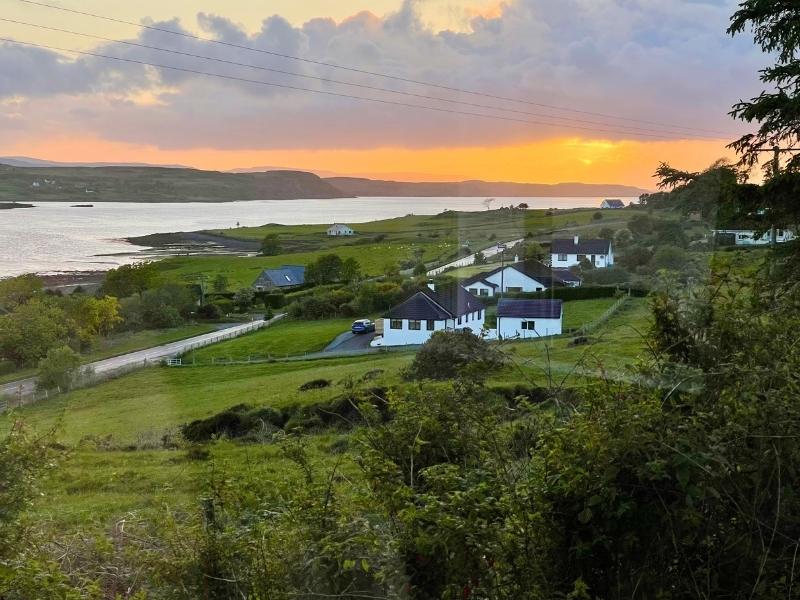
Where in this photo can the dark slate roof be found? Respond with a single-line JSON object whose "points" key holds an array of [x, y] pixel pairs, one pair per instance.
{"points": [[529, 309], [480, 278], [614, 203], [565, 274], [538, 271], [285, 276], [445, 303], [582, 247]]}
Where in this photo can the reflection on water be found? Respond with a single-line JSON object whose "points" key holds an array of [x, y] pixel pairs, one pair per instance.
{"points": [[54, 236]]}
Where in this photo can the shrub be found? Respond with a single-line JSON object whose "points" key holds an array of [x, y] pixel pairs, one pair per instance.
{"points": [[607, 276], [209, 311], [59, 369], [315, 384], [452, 354], [597, 216], [669, 257]]}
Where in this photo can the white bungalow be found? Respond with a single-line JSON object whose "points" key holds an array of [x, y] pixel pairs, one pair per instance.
{"points": [[748, 237], [426, 311], [338, 229], [612, 203], [522, 276], [528, 318], [568, 253]]}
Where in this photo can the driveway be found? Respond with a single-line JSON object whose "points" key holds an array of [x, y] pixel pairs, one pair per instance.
{"points": [[350, 341]]}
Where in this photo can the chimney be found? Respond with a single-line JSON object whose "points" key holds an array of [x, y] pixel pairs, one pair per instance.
{"points": [[431, 286], [516, 258], [577, 239]]}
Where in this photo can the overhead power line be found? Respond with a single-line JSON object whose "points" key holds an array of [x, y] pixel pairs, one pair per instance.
{"points": [[368, 72], [627, 128], [326, 92]]}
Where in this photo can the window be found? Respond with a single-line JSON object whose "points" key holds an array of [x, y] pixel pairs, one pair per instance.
{"points": [[483, 292], [480, 313], [513, 289], [396, 324], [593, 258], [539, 289], [581, 257], [429, 325], [459, 320], [474, 291], [529, 325], [414, 325], [562, 257]]}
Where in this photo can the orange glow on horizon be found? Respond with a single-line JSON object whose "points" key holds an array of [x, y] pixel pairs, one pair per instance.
{"points": [[548, 161]]}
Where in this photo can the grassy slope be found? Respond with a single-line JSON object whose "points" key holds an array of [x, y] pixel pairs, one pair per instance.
{"points": [[93, 486], [283, 338]]}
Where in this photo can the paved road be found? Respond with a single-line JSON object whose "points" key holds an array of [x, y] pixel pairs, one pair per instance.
{"points": [[469, 260], [148, 356]]}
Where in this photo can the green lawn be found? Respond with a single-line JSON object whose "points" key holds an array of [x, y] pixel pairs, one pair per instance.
{"points": [[582, 312], [284, 338], [123, 343]]}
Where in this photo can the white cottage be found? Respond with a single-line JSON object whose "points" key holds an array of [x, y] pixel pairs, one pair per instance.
{"points": [[415, 320], [523, 276], [612, 203], [528, 318], [568, 253], [338, 229]]}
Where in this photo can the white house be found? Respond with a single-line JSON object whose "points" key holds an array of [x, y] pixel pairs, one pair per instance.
{"points": [[612, 203], [528, 318], [523, 276], [567, 253], [338, 229], [426, 311], [748, 237]]}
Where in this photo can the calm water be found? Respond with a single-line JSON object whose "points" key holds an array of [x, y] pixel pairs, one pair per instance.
{"points": [[54, 237]]}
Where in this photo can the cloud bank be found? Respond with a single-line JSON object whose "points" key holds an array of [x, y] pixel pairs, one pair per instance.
{"points": [[667, 61]]}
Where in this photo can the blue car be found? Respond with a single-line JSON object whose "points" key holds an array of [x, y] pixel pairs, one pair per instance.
{"points": [[363, 326]]}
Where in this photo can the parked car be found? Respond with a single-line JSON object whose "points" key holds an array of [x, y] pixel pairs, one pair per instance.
{"points": [[363, 326]]}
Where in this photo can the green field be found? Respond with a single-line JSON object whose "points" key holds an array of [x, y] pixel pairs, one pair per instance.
{"points": [[392, 241], [285, 338], [115, 465]]}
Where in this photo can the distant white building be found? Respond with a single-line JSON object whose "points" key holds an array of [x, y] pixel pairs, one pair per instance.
{"points": [[414, 321], [528, 318], [519, 276], [567, 253], [748, 237], [338, 229], [612, 203]]}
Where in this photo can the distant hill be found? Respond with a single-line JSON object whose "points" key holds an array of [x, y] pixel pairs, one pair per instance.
{"points": [[156, 184], [369, 187], [26, 161]]}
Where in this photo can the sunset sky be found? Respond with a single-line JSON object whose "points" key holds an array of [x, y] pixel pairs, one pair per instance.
{"points": [[663, 74]]}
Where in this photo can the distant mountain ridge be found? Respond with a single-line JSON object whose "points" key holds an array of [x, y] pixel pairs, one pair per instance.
{"points": [[356, 186], [26, 161], [157, 184]]}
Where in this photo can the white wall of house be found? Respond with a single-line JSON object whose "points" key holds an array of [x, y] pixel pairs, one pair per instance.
{"points": [[568, 260], [337, 229], [512, 327], [408, 334], [480, 289], [514, 281]]}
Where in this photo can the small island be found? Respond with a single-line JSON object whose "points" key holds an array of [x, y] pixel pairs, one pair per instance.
{"points": [[10, 205]]}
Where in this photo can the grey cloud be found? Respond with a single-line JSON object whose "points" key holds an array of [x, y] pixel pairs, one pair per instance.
{"points": [[662, 61]]}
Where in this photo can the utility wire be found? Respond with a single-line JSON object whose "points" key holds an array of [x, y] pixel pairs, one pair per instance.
{"points": [[325, 92], [628, 128], [364, 71]]}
